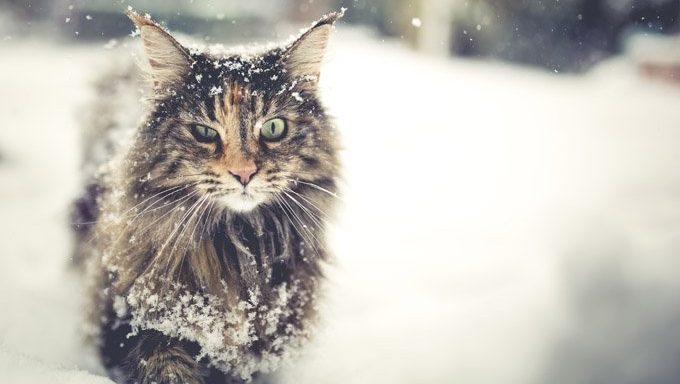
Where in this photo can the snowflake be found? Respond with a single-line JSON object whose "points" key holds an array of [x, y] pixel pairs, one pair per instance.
{"points": [[214, 91], [296, 96]]}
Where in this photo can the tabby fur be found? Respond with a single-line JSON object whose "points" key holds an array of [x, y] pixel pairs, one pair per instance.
{"points": [[191, 280]]}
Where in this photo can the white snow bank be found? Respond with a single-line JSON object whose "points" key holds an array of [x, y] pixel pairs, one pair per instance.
{"points": [[23, 370]]}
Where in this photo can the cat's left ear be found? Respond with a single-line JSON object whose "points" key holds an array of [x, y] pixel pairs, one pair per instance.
{"points": [[303, 57]]}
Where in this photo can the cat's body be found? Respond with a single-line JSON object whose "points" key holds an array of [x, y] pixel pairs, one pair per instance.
{"points": [[205, 259]]}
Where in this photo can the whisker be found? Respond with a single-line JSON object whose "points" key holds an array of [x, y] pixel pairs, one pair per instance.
{"points": [[148, 210], [186, 216], [302, 223], [302, 233], [200, 216], [314, 186], [177, 226], [151, 197], [278, 202], [172, 210], [143, 230], [205, 224], [78, 223], [167, 192], [190, 238], [183, 176], [200, 210], [308, 201], [196, 208], [290, 220], [315, 218], [157, 259]]}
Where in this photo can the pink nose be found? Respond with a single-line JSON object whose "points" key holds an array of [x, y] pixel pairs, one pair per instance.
{"points": [[244, 173]]}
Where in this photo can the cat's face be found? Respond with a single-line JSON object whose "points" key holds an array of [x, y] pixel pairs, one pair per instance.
{"points": [[240, 131]]}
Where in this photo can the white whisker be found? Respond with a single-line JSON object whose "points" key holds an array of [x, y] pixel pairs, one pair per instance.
{"points": [[315, 218], [183, 224], [310, 235], [176, 202], [314, 186], [308, 201]]}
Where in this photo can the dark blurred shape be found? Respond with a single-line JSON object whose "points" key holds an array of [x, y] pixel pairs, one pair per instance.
{"points": [[389, 17], [24, 18], [223, 21], [25, 10], [220, 20], [566, 35], [569, 35]]}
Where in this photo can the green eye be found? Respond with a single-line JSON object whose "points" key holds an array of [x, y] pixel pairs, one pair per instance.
{"points": [[203, 133], [273, 130]]}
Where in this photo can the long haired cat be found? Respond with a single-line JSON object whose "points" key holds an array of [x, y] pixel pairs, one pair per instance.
{"points": [[205, 257]]}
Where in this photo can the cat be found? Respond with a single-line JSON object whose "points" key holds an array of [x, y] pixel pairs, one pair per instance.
{"points": [[207, 246]]}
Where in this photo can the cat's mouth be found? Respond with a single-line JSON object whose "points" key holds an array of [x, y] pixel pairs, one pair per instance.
{"points": [[244, 200]]}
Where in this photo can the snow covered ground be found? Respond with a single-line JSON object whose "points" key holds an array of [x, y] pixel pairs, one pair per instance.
{"points": [[498, 225]]}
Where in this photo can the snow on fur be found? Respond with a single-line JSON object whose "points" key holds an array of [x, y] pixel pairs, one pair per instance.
{"points": [[224, 335]]}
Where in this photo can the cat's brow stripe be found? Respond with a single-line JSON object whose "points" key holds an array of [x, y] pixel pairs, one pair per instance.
{"points": [[210, 108]]}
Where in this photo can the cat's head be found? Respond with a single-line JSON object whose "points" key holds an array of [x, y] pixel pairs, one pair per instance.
{"points": [[239, 129]]}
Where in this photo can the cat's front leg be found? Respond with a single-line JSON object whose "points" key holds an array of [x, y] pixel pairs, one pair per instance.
{"points": [[161, 360]]}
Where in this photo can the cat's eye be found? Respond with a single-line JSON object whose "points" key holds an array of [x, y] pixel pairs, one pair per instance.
{"points": [[204, 134], [273, 129]]}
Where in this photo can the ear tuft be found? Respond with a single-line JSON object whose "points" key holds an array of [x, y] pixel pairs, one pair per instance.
{"points": [[140, 20], [304, 56], [169, 61]]}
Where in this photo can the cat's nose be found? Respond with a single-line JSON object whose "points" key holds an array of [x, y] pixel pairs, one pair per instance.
{"points": [[244, 172]]}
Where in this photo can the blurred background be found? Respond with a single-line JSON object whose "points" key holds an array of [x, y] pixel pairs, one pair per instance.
{"points": [[567, 35], [511, 207]]}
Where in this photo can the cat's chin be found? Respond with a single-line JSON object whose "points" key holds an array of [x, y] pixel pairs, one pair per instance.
{"points": [[242, 202]]}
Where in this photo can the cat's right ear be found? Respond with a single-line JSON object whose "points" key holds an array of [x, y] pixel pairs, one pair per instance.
{"points": [[168, 60]]}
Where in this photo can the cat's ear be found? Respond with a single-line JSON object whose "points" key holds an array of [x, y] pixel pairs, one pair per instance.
{"points": [[303, 57], [168, 60]]}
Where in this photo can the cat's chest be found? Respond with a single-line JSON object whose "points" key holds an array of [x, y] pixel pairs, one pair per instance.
{"points": [[225, 327]]}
